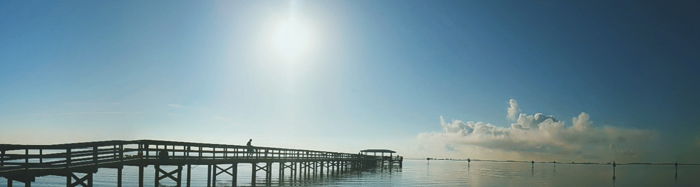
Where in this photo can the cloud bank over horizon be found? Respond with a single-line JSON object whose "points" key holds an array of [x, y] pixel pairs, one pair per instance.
{"points": [[540, 136]]}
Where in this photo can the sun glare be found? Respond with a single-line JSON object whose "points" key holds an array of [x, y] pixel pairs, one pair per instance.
{"points": [[292, 40]]}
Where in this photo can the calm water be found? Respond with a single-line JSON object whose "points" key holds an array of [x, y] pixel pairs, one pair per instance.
{"points": [[445, 173]]}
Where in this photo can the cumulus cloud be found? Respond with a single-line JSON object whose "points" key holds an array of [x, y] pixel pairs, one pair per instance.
{"points": [[531, 136], [513, 109]]}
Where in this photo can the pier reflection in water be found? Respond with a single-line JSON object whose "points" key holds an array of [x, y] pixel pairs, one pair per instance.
{"points": [[448, 173]]}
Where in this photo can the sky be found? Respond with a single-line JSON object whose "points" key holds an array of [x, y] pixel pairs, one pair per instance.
{"points": [[578, 80]]}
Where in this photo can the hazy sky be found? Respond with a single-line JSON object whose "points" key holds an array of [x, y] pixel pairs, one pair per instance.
{"points": [[427, 78]]}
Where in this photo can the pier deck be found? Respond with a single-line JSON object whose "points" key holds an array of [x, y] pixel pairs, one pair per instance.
{"points": [[79, 161]]}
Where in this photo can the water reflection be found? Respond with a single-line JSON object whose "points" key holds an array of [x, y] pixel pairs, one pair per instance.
{"points": [[452, 173], [456, 173]]}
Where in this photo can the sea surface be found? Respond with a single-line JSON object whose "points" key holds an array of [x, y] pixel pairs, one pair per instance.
{"points": [[438, 173]]}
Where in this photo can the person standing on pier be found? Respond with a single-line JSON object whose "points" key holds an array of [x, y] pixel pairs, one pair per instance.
{"points": [[250, 147]]}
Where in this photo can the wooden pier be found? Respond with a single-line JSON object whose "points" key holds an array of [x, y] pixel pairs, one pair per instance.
{"points": [[385, 161], [79, 161]]}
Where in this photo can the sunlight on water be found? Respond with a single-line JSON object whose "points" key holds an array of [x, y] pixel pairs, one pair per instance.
{"points": [[439, 173]]}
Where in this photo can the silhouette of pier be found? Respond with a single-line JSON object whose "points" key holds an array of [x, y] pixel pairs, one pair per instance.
{"points": [[79, 161], [386, 161]]}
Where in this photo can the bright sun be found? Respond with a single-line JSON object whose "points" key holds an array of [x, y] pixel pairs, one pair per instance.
{"points": [[292, 39]]}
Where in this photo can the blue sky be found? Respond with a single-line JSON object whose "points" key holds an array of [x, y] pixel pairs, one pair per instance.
{"points": [[379, 72]]}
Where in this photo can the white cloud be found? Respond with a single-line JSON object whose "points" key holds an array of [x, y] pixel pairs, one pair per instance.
{"points": [[513, 109], [540, 136]]}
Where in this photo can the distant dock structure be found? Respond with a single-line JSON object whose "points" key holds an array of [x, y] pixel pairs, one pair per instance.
{"points": [[387, 158], [79, 161]]}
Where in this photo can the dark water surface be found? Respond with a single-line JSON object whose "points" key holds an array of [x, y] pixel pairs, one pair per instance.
{"points": [[439, 173]]}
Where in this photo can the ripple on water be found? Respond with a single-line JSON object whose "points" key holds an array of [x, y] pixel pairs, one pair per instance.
{"points": [[441, 173]]}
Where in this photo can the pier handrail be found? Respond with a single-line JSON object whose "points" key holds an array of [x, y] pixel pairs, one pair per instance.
{"points": [[14, 157]]}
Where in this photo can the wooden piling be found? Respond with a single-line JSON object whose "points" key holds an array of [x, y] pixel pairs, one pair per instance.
{"points": [[189, 174], [675, 176], [209, 175], [614, 165], [268, 173], [156, 181], [213, 176], [280, 172], [321, 173], [119, 176], [252, 180], [140, 175], [234, 174]]}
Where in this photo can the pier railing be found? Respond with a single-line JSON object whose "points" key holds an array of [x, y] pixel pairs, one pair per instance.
{"points": [[18, 158]]}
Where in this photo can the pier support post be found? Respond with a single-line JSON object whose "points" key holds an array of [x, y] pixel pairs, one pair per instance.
{"points": [[675, 177], [255, 169], [307, 170], [297, 175], [315, 166], [213, 176], [189, 173], [208, 175], [155, 175], [85, 180], [175, 175], [140, 176], [268, 173], [119, 176], [233, 173], [331, 168], [27, 183], [336, 169], [293, 172], [280, 172], [321, 173], [391, 163], [303, 170], [614, 165]]}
